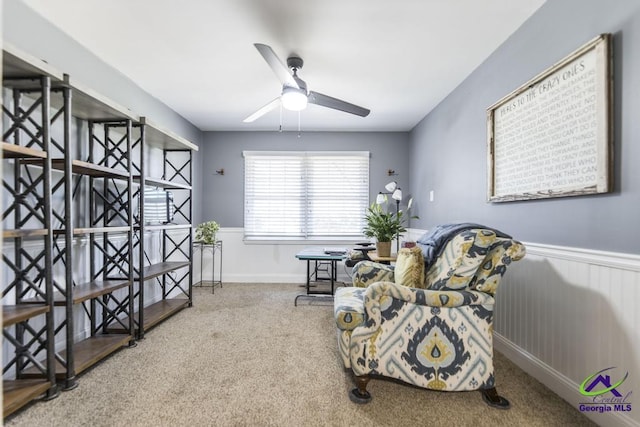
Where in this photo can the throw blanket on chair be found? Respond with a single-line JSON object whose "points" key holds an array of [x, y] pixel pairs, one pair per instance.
{"points": [[434, 241]]}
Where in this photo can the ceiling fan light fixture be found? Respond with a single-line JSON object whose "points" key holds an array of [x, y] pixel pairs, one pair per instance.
{"points": [[293, 99]]}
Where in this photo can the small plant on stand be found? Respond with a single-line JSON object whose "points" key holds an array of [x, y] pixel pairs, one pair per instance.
{"points": [[206, 232]]}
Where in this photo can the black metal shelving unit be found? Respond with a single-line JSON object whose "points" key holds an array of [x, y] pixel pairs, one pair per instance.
{"points": [[98, 209], [79, 270], [27, 294], [169, 270], [94, 198]]}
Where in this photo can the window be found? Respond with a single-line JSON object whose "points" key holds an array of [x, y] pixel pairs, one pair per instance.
{"points": [[305, 195]]}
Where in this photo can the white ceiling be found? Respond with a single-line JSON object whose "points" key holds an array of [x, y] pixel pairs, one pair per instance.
{"points": [[398, 58]]}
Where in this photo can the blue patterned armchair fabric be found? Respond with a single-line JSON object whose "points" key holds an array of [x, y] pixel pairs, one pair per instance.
{"points": [[440, 337], [367, 272]]}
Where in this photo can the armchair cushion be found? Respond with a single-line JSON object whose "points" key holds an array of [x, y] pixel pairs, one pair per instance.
{"points": [[409, 269]]}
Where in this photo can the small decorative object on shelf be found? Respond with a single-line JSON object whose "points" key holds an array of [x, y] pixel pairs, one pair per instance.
{"points": [[206, 232]]}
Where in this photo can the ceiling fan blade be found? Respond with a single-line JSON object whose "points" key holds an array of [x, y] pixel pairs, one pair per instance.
{"points": [[262, 111], [281, 71], [337, 104]]}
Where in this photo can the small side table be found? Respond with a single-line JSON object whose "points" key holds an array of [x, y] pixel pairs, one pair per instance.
{"points": [[214, 247], [365, 251], [382, 259], [319, 255]]}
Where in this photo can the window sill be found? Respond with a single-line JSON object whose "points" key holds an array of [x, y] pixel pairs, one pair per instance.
{"points": [[345, 241]]}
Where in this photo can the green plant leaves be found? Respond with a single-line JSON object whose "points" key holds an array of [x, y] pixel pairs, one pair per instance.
{"points": [[383, 226], [206, 232]]}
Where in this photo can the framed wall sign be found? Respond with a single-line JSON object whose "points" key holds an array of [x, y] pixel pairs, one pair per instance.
{"points": [[552, 137]]}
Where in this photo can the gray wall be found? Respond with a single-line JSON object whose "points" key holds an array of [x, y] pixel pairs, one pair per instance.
{"points": [[222, 198], [448, 147], [29, 32]]}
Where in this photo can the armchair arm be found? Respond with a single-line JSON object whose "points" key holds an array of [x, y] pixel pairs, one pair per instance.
{"points": [[380, 297], [367, 272], [431, 298], [348, 307]]}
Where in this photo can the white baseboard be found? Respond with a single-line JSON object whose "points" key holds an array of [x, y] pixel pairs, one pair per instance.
{"points": [[263, 278], [273, 278], [558, 383]]}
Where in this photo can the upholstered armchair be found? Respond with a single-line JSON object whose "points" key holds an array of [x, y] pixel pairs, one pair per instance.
{"points": [[432, 330]]}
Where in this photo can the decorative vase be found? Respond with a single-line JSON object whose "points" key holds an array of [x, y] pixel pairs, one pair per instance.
{"points": [[383, 249]]}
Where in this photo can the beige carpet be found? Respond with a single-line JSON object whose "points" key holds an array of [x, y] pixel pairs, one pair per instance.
{"points": [[247, 356]]}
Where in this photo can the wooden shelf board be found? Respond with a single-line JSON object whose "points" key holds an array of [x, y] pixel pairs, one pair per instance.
{"points": [[93, 230], [159, 311], [155, 136], [157, 182], [156, 313], [159, 269], [17, 393], [90, 351], [16, 63], [22, 232], [90, 169], [88, 104], [13, 151], [160, 227], [87, 291], [87, 353], [12, 314]]}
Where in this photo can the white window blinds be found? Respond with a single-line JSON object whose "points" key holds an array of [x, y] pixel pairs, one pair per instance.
{"points": [[305, 195]]}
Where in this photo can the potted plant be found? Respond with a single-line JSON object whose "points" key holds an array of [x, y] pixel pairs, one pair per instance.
{"points": [[384, 227], [206, 232]]}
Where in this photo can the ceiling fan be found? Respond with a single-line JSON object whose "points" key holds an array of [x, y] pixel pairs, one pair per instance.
{"points": [[295, 95]]}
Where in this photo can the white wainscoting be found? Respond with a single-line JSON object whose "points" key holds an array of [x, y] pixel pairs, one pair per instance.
{"points": [[563, 314], [262, 262]]}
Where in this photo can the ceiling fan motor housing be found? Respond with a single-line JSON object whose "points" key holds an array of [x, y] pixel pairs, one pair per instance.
{"points": [[295, 62]]}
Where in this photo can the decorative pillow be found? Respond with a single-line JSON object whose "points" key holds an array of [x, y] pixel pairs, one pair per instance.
{"points": [[456, 267], [409, 269]]}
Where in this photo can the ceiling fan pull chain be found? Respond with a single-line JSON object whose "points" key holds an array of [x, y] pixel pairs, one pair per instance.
{"points": [[280, 129]]}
